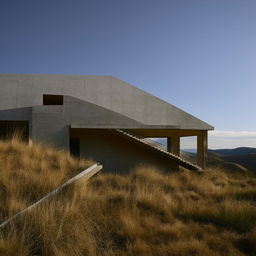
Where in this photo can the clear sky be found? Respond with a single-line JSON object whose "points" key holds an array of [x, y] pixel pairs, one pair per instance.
{"points": [[199, 55]]}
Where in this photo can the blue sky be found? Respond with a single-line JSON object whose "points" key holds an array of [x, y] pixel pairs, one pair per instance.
{"points": [[199, 55]]}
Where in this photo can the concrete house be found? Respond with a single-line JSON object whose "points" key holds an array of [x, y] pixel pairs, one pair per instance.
{"points": [[99, 117]]}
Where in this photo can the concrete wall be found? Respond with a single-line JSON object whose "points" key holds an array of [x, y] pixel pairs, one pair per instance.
{"points": [[47, 124], [116, 153], [91, 115], [50, 124], [18, 91]]}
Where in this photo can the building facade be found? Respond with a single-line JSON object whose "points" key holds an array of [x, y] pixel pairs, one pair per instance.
{"points": [[98, 117]]}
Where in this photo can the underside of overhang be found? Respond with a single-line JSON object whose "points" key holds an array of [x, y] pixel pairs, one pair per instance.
{"points": [[150, 131], [158, 133]]}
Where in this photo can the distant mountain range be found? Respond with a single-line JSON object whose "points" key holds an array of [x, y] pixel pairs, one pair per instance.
{"points": [[235, 151], [243, 158]]}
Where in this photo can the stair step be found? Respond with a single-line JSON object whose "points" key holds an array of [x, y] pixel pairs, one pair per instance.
{"points": [[184, 162]]}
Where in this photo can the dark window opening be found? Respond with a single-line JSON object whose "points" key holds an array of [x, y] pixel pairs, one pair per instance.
{"points": [[74, 145], [11, 129], [50, 99]]}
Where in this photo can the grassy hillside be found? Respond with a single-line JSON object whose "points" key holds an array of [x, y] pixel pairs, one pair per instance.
{"points": [[27, 173], [143, 213], [217, 161], [247, 160], [242, 157]]}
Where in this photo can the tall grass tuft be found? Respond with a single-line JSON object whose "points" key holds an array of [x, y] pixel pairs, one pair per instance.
{"points": [[141, 213]]}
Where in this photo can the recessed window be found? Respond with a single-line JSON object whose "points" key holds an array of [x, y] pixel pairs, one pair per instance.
{"points": [[74, 145], [50, 99], [11, 129]]}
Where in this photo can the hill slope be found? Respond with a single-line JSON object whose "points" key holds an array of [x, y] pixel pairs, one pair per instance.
{"points": [[27, 173], [235, 151], [143, 213], [242, 156]]}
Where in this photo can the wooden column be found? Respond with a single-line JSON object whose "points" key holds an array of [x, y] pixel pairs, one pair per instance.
{"points": [[173, 145], [202, 149]]}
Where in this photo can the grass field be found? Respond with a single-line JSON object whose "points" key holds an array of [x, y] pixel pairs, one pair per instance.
{"points": [[143, 213]]}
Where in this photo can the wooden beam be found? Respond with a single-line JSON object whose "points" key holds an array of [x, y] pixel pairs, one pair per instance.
{"points": [[154, 133], [84, 175]]}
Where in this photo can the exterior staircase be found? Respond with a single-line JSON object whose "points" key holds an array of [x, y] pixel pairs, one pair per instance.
{"points": [[160, 148]]}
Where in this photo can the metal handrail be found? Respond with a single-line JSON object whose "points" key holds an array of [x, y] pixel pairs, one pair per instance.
{"points": [[183, 155], [148, 141], [188, 157], [155, 143]]}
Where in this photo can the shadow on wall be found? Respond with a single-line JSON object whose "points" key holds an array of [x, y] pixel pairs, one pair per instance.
{"points": [[118, 154]]}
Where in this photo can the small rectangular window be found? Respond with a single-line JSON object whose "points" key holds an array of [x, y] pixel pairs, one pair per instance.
{"points": [[50, 99]]}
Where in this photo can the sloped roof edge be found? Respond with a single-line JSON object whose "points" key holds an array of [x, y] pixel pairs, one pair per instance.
{"points": [[146, 108]]}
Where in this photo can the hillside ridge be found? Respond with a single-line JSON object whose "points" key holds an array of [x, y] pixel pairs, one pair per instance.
{"points": [[145, 212]]}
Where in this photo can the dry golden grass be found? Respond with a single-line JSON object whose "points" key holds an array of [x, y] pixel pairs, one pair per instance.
{"points": [[143, 213], [27, 173]]}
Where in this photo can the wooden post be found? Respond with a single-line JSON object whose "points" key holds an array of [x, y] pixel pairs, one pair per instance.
{"points": [[202, 149], [173, 145]]}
